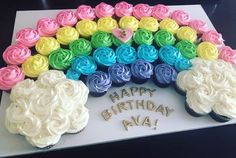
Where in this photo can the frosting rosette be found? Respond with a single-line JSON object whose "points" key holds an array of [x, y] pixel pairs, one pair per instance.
{"points": [[187, 49], [46, 45], [10, 76], [129, 22], [16, 54], [85, 12], [84, 64], [28, 37], [228, 54], [160, 11], [142, 36], [147, 52], [199, 25], [169, 25], [60, 59], [142, 10], [141, 69], [125, 54], [101, 39], [104, 56], [117, 42], [186, 33], [182, 63], [47, 27], [86, 28], [72, 74], [107, 24], [80, 47], [66, 34], [163, 38], [207, 50], [213, 37], [149, 23], [103, 10], [35, 65], [181, 17], [123, 9], [66, 18], [169, 54], [119, 73], [165, 74]]}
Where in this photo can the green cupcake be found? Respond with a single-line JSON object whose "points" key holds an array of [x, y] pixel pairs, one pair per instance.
{"points": [[163, 38], [187, 49], [101, 39], [118, 42], [80, 47], [142, 36]]}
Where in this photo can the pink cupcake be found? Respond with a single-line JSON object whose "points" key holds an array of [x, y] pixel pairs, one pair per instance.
{"points": [[85, 12], [9, 76], [181, 17], [142, 10], [16, 54], [66, 18], [103, 10], [199, 25], [28, 37], [123, 9], [160, 12], [228, 54], [47, 27], [213, 37]]}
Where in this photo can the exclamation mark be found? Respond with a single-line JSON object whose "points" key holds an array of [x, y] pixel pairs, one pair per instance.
{"points": [[156, 123]]}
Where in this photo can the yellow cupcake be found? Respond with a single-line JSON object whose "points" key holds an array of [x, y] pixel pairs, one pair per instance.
{"points": [[169, 25], [66, 34], [149, 23], [107, 24], [86, 28], [187, 33], [46, 45], [129, 22], [207, 50], [35, 65]]}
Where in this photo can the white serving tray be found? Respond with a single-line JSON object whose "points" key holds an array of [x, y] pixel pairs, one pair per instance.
{"points": [[99, 130]]}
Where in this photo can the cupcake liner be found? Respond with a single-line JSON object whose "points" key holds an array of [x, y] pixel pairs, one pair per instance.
{"points": [[178, 90], [103, 68], [138, 80], [47, 147], [219, 118], [95, 94], [118, 84], [161, 85], [191, 112]]}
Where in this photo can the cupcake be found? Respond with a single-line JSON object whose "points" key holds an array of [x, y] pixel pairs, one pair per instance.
{"points": [[141, 71], [160, 12], [125, 54], [101, 39], [180, 83], [207, 50], [164, 75], [186, 33], [107, 24], [149, 23], [86, 28], [187, 49], [142, 36], [169, 55], [47, 27], [199, 25], [163, 38], [80, 47], [123, 9], [27, 37], [72, 74], [181, 17], [227, 54], [122, 36], [182, 63], [66, 18], [147, 52], [85, 12], [66, 34], [169, 25], [46, 45], [16, 54], [104, 10], [142, 10], [129, 22], [98, 83], [214, 37], [120, 74]]}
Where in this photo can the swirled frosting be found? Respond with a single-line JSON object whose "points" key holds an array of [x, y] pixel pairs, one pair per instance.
{"points": [[142, 10], [213, 37], [84, 64], [66, 18], [186, 33], [98, 82], [142, 36], [101, 39], [104, 56], [47, 27], [16, 54], [182, 63], [187, 49], [72, 74], [199, 25], [125, 54], [119, 73], [85, 12], [181, 17], [35, 65], [46, 45], [60, 59], [103, 10], [163, 38], [107, 24], [117, 42], [147, 52], [169, 54], [66, 34], [28, 37], [160, 12], [80, 47], [207, 50], [86, 28], [228, 54], [165, 74], [141, 69], [10, 76], [149, 23], [169, 25], [129, 22], [123, 9]]}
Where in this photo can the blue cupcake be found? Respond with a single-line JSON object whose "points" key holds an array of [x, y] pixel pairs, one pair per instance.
{"points": [[141, 71], [164, 75], [120, 74], [72, 74], [147, 52], [182, 63], [169, 54], [125, 54], [84, 64], [98, 83]]}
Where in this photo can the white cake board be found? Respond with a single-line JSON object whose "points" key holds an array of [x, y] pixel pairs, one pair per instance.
{"points": [[99, 130]]}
